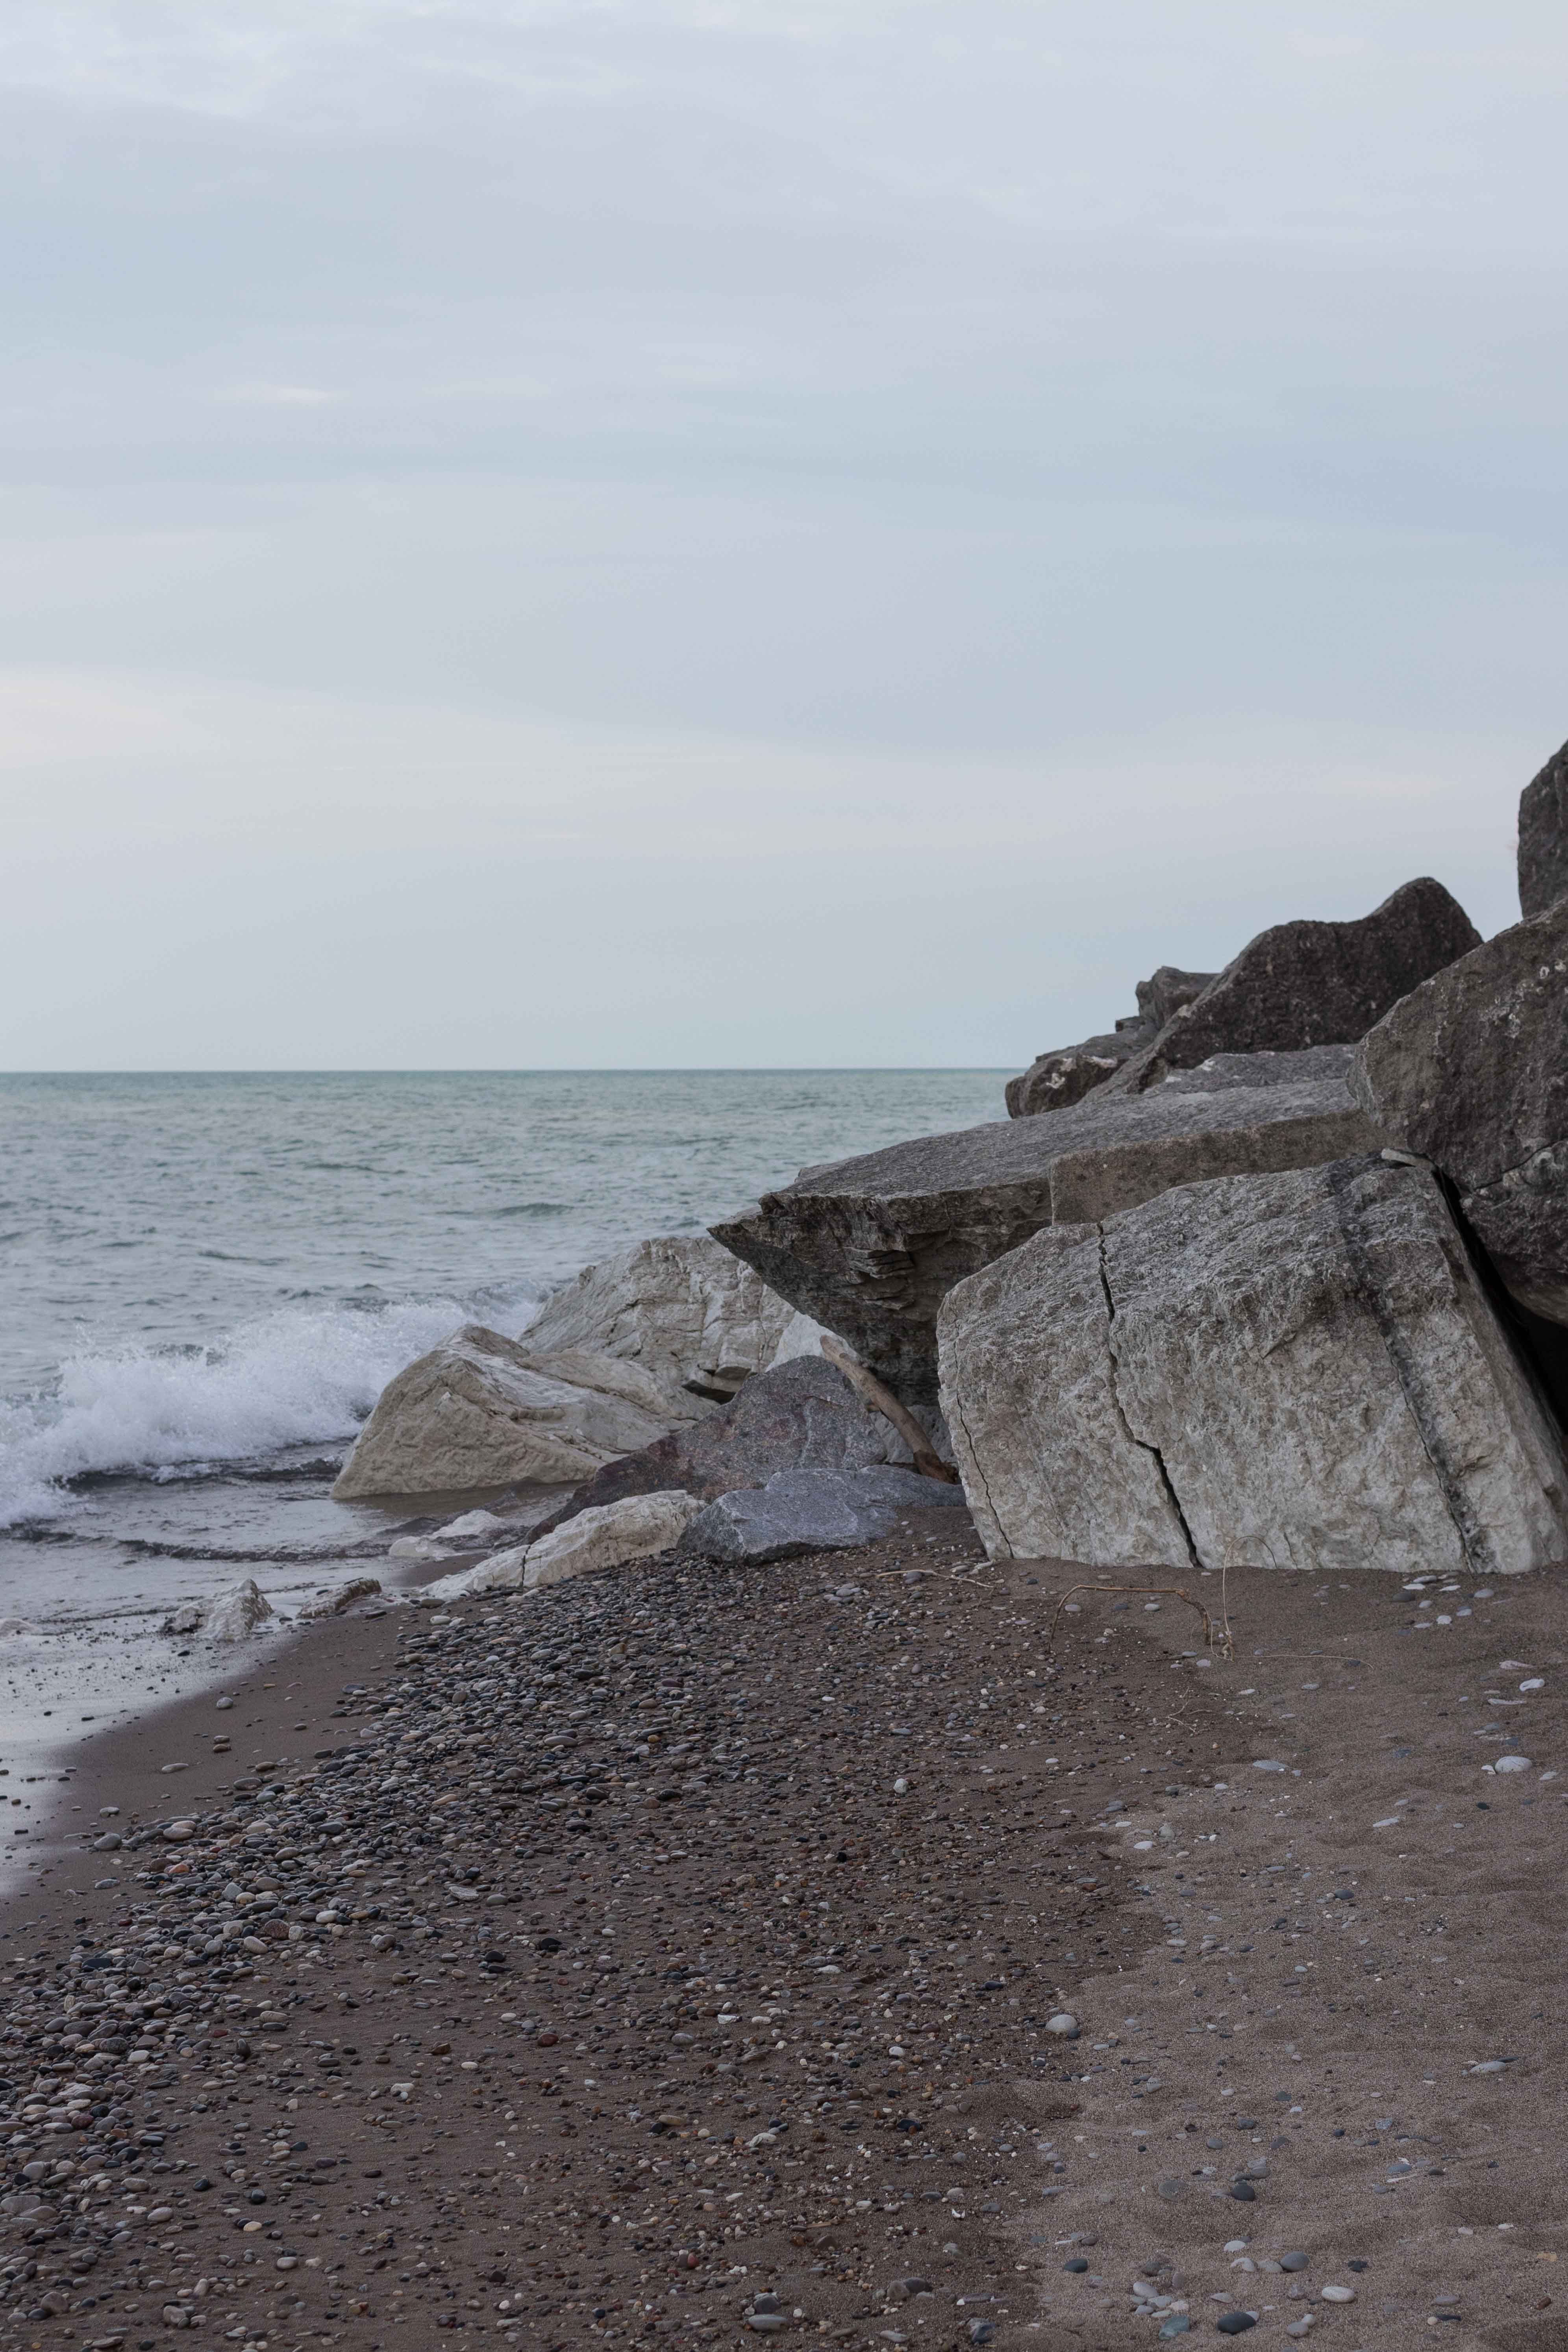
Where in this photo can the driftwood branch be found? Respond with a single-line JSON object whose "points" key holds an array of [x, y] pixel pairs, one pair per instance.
{"points": [[1216, 1637], [882, 1399]]}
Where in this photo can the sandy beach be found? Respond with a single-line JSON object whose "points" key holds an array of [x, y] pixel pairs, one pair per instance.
{"points": [[672, 1952]]}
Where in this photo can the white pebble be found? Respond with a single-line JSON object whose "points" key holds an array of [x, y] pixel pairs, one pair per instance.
{"points": [[1062, 2022], [1339, 2294], [1512, 1764], [1536, 1682]]}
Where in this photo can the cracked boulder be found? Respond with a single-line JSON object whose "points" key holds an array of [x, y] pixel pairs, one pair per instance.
{"points": [[1299, 1371], [1306, 984], [1543, 837], [811, 1510], [1472, 1071], [480, 1411], [870, 1246], [690, 1313]]}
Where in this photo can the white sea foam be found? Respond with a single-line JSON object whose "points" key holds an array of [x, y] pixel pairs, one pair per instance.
{"points": [[296, 1377]]}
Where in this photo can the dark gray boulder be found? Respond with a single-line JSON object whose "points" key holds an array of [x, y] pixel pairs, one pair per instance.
{"points": [[1300, 1370], [1472, 1071], [812, 1510], [870, 1246], [1543, 837], [1308, 983], [802, 1415], [1058, 1078], [1328, 1065]]}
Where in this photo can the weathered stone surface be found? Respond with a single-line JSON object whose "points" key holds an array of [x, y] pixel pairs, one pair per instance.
{"points": [[810, 1510], [1306, 984], [1543, 837], [1058, 1078], [870, 1246], [236, 1613], [483, 1411], [803, 1415], [1295, 1371], [337, 1598], [1310, 1065], [611, 1536], [690, 1313], [1472, 1071]]}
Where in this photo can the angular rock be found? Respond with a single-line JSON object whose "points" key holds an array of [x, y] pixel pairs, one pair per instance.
{"points": [[691, 1315], [803, 1415], [611, 1536], [1055, 1080], [337, 1598], [235, 1615], [503, 1571], [1472, 1071], [810, 1510], [483, 1411], [1299, 1371], [1306, 984], [870, 1246], [1543, 837]]}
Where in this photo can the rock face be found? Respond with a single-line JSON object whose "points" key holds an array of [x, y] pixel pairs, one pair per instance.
{"points": [[810, 1510], [1299, 1371], [872, 1246], [1055, 1080], [684, 1309], [483, 1411], [1543, 837], [1302, 984], [236, 1613], [802, 1416], [611, 1537], [1472, 1071]]}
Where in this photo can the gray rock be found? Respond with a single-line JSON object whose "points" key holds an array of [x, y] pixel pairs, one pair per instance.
{"points": [[690, 1313], [802, 1415], [870, 1246], [1062, 1075], [1543, 837], [1295, 1371], [809, 1510], [1472, 1071], [1324, 1065], [483, 1411], [1306, 984]]}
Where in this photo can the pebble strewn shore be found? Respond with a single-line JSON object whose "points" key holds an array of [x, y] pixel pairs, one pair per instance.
{"points": [[681, 1956]]}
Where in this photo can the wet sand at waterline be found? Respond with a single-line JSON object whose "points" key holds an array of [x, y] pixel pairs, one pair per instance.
{"points": [[581, 1968]]}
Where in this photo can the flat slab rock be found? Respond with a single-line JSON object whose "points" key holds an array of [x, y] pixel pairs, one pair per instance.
{"points": [[812, 1510], [1472, 1071], [802, 1415], [1300, 1370], [1308, 983], [872, 1246]]}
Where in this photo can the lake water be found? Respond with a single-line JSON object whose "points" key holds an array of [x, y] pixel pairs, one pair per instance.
{"points": [[209, 1278]]}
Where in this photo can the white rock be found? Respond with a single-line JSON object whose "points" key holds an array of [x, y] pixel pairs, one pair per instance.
{"points": [[339, 1597], [479, 1411], [1063, 2022], [681, 1305], [801, 1337], [610, 1536], [235, 1615], [502, 1572], [423, 1548], [473, 1527], [1299, 1371], [1339, 2294], [1511, 1764]]}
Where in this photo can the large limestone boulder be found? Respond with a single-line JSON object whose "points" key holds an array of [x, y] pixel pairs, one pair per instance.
{"points": [[802, 1415], [872, 1246], [1471, 1070], [483, 1411], [1300, 1371], [1307, 983], [690, 1313], [1063, 1075], [1543, 837]]}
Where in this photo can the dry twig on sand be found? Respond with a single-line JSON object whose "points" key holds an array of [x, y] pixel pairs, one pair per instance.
{"points": [[1216, 1637]]}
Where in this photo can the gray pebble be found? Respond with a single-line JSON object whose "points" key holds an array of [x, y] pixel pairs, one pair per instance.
{"points": [[1297, 2262]]}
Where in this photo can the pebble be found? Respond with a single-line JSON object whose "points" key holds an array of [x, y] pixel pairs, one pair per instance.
{"points": [[1243, 2191], [1064, 2023], [1266, 1764], [1296, 2261], [1339, 2294], [1236, 2323], [1511, 1764]]}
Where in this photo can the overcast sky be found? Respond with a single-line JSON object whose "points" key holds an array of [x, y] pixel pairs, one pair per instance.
{"points": [[680, 531]]}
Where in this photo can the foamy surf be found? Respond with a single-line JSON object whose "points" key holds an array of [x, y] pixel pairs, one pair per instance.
{"points": [[296, 1377]]}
